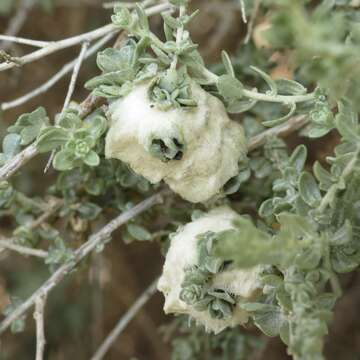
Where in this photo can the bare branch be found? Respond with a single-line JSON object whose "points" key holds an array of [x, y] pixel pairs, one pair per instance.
{"points": [[19, 160], [75, 74], [17, 22], [86, 37], [23, 250], [70, 92], [58, 76], [9, 244], [20, 40], [124, 321], [40, 331], [94, 241]]}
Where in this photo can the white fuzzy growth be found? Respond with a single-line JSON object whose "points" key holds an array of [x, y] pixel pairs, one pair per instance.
{"points": [[183, 254], [214, 144]]}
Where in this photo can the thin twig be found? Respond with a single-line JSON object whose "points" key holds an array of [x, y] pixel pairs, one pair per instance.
{"points": [[23, 250], [112, 4], [17, 22], [124, 321], [243, 11], [19, 160], [75, 74], [56, 78], [40, 303], [10, 244], [20, 40], [70, 92], [89, 36], [254, 13], [282, 130], [98, 239]]}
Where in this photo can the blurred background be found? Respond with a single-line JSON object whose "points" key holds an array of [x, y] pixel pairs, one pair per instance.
{"points": [[86, 306]]}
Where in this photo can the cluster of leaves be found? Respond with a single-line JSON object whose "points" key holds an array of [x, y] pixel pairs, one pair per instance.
{"points": [[76, 138], [146, 57], [309, 235], [232, 92], [325, 51], [197, 290], [190, 342]]}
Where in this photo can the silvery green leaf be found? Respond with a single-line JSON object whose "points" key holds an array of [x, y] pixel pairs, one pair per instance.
{"points": [[309, 189], [229, 88], [50, 138], [347, 123], [143, 20], [323, 176], [161, 55], [240, 106], [269, 81], [343, 235], [122, 17], [138, 232], [290, 87], [92, 159], [112, 78], [29, 125], [227, 63], [271, 123], [112, 60], [342, 262], [64, 160], [96, 125], [89, 211], [308, 258], [266, 209], [169, 32], [11, 145], [316, 131], [269, 322], [170, 21], [298, 158]]}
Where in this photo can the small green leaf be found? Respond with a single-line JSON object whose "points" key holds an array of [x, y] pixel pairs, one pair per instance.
{"points": [[309, 190], [346, 122], [343, 235], [270, 82], [229, 88], [64, 160], [92, 159], [11, 145], [50, 138], [290, 87], [298, 158], [227, 63], [89, 211], [138, 232], [271, 123]]}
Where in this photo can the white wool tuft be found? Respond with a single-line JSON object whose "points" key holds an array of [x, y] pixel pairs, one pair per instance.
{"points": [[183, 254], [214, 144]]}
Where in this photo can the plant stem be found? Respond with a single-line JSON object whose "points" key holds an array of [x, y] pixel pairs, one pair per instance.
{"points": [[124, 321], [335, 187], [179, 35], [251, 94], [95, 240]]}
